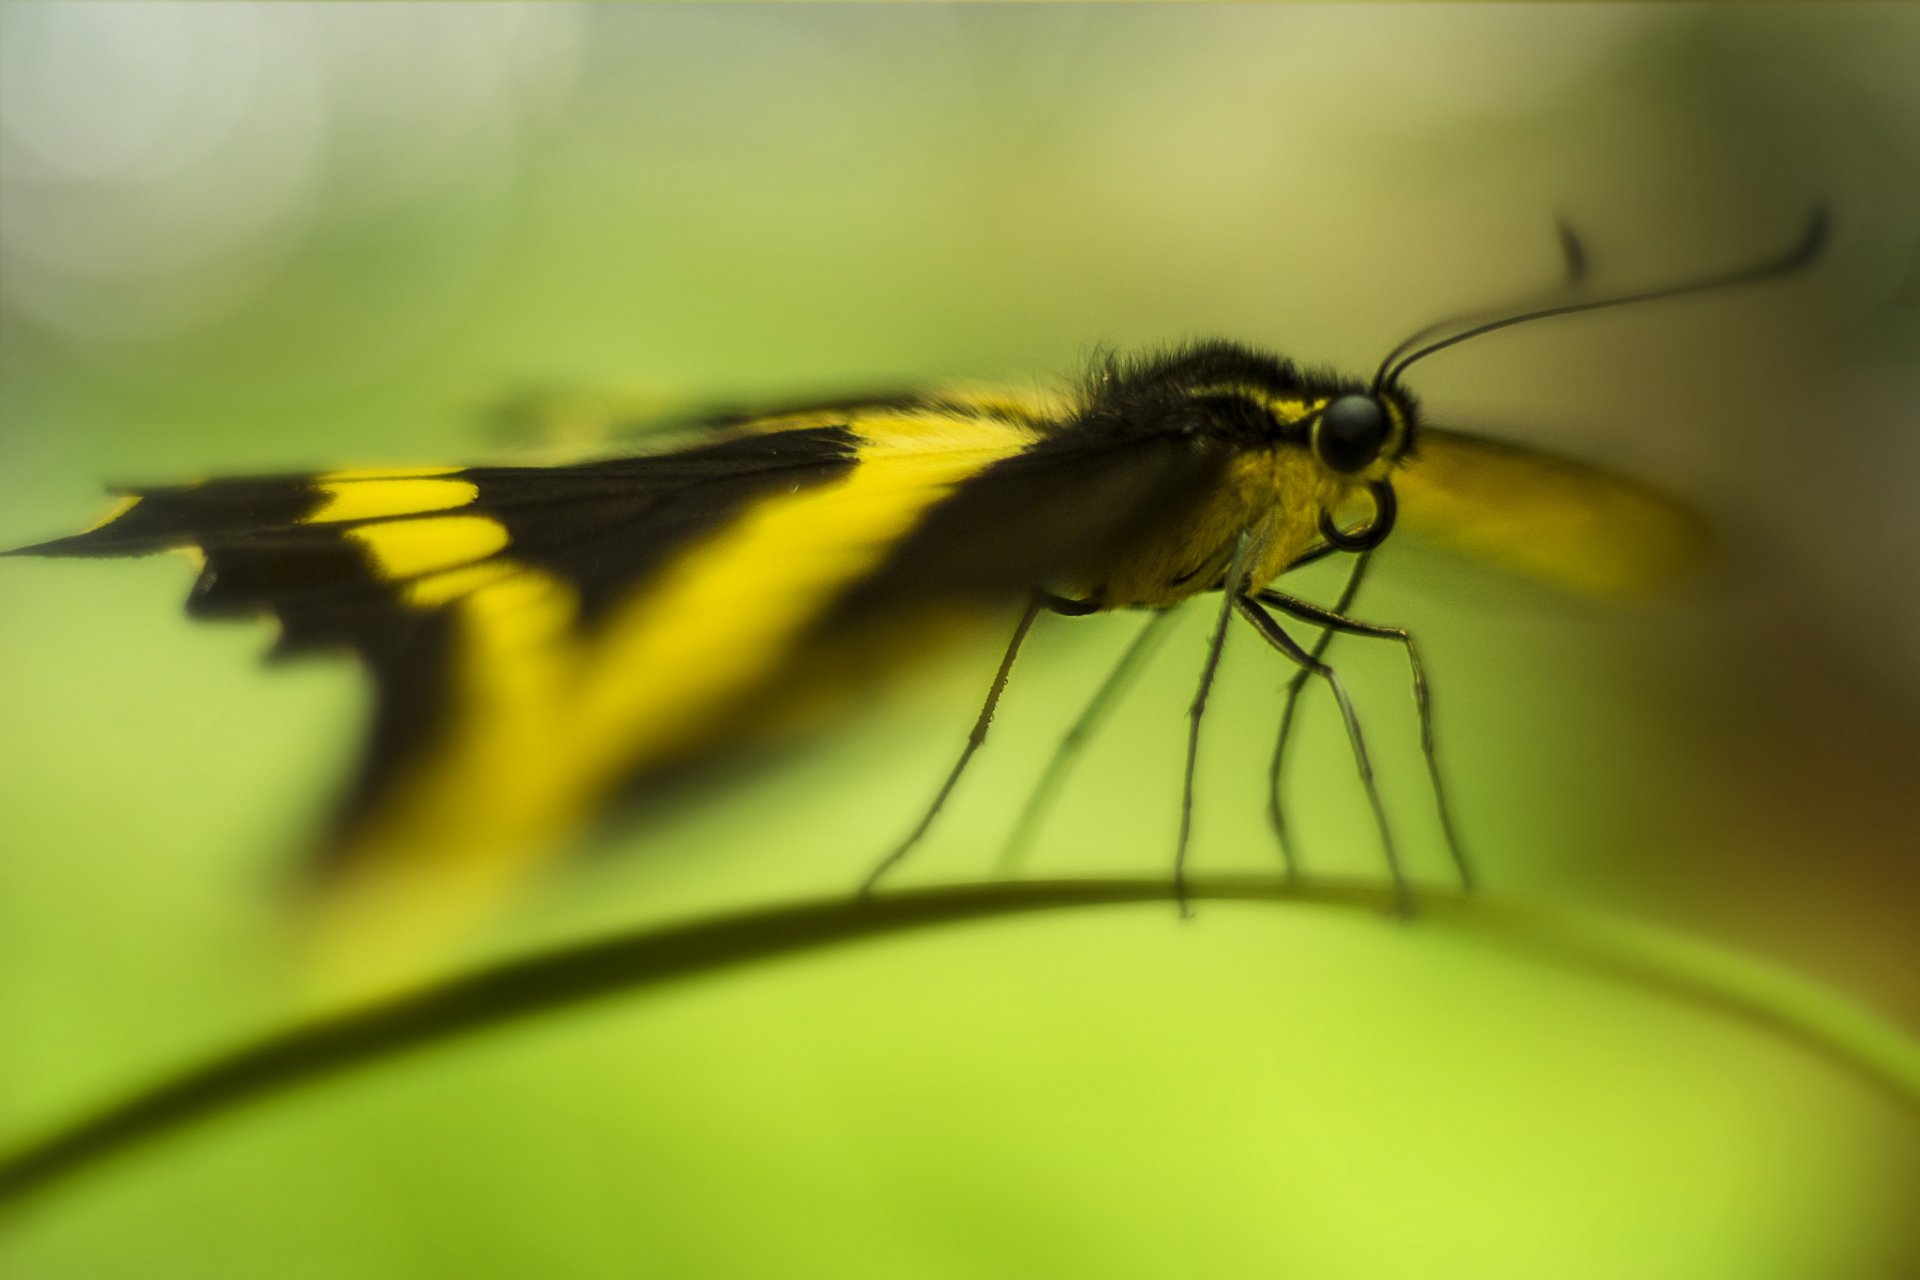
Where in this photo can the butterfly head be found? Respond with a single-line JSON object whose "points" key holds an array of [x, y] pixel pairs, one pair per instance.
{"points": [[1355, 439], [1227, 394]]}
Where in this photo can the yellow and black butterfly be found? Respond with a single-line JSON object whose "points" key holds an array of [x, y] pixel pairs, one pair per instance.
{"points": [[542, 638]]}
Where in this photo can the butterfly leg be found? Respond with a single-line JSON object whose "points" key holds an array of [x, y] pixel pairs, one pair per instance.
{"points": [[1276, 808], [1334, 620], [1040, 799], [1039, 601], [1232, 583], [1270, 629]]}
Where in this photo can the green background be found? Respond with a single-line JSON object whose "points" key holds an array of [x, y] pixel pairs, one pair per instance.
{"points": [[241, 238]]}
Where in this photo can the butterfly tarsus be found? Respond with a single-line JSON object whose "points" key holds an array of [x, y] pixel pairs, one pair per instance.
{"points": [[1138, 650], [1275, 635], [1334, 620], [1037, 602], [1276, 807], [1232, 583]]}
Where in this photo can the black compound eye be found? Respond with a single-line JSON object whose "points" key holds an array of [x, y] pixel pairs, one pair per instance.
{"points": [[1350, 434]]}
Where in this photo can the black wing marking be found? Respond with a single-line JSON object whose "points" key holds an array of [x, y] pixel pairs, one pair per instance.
{"points": [[604, 528], [1066, 510]]}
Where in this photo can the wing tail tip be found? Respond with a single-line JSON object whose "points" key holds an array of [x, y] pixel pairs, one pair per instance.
{"points": [[104, 537], [76, 544]]}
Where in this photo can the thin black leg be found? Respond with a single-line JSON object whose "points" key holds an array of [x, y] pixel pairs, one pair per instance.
{"points": [[1276, 805], [1335, 620], [1048, 787], [1315, 554], [1233, 584], [1266, 625], [974, 739]]}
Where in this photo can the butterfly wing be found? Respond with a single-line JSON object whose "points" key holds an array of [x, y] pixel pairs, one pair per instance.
{"points": [[539, 637], [387, 563], [1561, 522]]}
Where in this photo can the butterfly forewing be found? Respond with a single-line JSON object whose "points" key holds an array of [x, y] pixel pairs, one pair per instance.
{"points": [[1561, 522]]}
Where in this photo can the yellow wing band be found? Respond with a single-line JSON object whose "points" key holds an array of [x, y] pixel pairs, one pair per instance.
{"points": [[410, 548], [550, 718]]}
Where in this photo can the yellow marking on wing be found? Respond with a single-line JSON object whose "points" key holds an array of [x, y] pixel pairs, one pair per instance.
{"points": [[551, 719], [905, 440], [120, 507], [1561, 522], [408, 548], [368, 499], [443, 588]]}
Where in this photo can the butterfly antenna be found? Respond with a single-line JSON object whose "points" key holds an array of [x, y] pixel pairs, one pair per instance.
{"points": [[1803, 251], [1574, 257]]}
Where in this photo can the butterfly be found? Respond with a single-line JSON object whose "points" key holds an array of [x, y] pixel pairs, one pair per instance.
{"points": [[541, 639]]}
